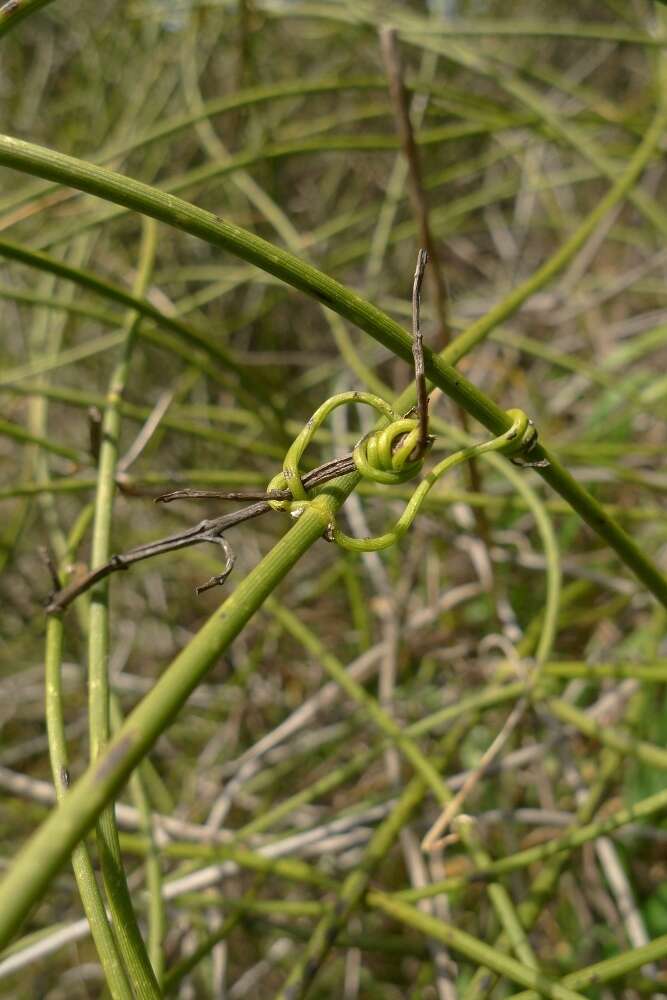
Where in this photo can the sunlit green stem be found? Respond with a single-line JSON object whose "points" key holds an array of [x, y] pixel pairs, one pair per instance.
{"points": [[93, 905], [107, 184], [125, 926]]}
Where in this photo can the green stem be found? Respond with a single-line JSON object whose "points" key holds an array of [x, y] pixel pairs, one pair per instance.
{"points": [[114, 971], [170, 127], [181, 969], [150, 201], [643, 809], [653, 673], [190, 334], [291, 869], [622, 186], [43, 855], [157, 917], [611, 968], [9, 429], [356, 884], [380, 718], [468, 830], [477, 951], [11, 14], [623, 743], [125, 926]]}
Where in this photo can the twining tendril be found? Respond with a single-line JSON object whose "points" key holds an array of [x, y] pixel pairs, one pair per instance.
{"points": [[392, 454], [388, 456], [384, 456]]}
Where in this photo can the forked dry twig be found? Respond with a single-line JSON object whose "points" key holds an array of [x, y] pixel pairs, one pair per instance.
{"points": [[213, 529]]}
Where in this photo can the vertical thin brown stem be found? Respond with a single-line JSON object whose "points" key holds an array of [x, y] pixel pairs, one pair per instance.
{"points": [[418, 353], [394, 69], [399, 98]]}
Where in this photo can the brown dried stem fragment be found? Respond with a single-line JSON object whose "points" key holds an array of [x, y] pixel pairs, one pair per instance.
{"points": [[418, 354], [208, 530]]}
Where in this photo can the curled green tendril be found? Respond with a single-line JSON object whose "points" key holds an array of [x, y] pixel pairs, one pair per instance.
{"points": [[379, 458], [386, 456]]}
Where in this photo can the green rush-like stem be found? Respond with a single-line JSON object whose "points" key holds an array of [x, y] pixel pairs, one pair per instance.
{"points": [[180, 214], [562, 126], [170, 127], [18, 433], [356, 883], [468, 830], [467, 706], [275, 907], [144, 486], [481, 27], [643, 809], [44, 854], [611, 968], [652, 673], [369, 706], [247, 477], [60, 305], [455, 27], [157, 915], [216, 171], [12, 12], [476, 951], [547, 878], [181, 969], [462, 344], [624, 743], [187, 332], [272, 212], [545, 528], [198, 222], [91, 898], [39, 366], [124, 922], [317, 789], [290, 869]]}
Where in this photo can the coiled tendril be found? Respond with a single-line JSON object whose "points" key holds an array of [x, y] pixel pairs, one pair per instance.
{"points": [[389, 455]]}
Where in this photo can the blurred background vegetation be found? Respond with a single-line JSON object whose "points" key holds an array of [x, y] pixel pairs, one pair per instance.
{"points": [[276, 116]]}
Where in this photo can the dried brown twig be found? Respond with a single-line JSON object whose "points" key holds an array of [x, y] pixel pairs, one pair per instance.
{"points": [[418, 354], [208, 530], [213, 529]]}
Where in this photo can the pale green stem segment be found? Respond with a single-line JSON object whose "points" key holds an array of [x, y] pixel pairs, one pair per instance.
{"points": [[34, 867], [357, 692], [576, 837], [157, 916], [466, 944], [610, 969], [91, 898], [621, 188], [351, 895], [124, 922], [384, 456], [112, 186], [12, 13], [468, 830]]}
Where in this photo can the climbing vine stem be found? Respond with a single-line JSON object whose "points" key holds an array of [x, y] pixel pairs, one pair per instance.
{"points": [[108, 184], [386, 455]]}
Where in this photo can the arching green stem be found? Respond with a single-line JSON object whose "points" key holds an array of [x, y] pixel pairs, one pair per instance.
{"points": [[48, 163]]}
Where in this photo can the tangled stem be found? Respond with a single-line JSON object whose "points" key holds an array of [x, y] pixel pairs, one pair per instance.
{"points": [[387, 456]]}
